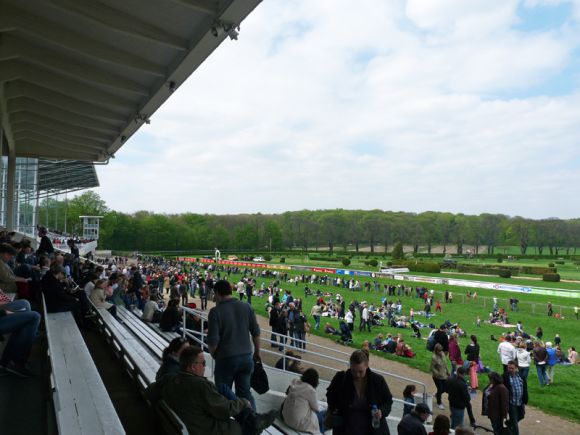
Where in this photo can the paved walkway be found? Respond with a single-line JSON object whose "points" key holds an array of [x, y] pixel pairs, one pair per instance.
{"points": [[535, 422]]}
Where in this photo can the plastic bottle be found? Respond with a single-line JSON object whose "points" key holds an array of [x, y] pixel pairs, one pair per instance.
{"points": [[376, 423]]}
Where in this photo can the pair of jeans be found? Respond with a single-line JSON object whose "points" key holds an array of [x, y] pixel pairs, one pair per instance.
{"points": [[496, 425], [17, 305], [300, 337], [440, 384], [236, 370], [456, 417], [514, 417], [23, 327], [550, 373], [246, 418], [524, 372], [542, 377], [317, 322]]}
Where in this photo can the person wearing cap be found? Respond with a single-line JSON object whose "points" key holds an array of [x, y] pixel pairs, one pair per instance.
{"points": [[414, 422], [59, 297], [7, 278]]}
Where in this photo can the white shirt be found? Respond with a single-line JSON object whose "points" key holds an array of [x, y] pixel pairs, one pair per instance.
{"points": [[348, 317], [524, 358], [507, 352], [365, 313]]}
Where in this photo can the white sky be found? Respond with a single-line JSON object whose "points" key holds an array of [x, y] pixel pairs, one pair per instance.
{"points": [[448, 105]]}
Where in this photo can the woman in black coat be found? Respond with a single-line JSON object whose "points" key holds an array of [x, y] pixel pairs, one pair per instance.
{"points": [[351, 396]]}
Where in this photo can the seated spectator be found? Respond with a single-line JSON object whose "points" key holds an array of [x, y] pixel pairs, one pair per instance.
{"points": [[404, 350], [60, 296], [151, 311], [329, 329], [414, 422], [17, 320], [409, 398], [98, 296], [170, 359], [291, 361], [203, 408], [170, 318], [7, 278], [441, 425], [301, 410]]}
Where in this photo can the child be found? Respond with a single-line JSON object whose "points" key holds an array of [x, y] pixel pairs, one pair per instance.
{"points": [[408, 397], [478, 322]]}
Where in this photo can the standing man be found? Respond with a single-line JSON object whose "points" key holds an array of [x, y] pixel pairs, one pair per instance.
{"points": [[518, 396], [364, 318], [459, 398], [231, 322], [507, 352]]}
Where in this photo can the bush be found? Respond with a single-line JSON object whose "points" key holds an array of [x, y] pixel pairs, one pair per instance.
{"points": [[424, 267], [551, 277], [282, 260], [500, 259], [560, 262], [345, 261], [389, 263], [268, 257], [505, 273], [398, 253], [551, 264], [373, 263]]}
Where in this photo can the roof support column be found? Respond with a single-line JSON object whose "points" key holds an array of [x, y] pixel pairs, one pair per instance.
{"points": [[10, 187]]}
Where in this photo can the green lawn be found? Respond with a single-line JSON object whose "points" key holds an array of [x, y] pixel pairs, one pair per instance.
{"points": [[558, 399]]}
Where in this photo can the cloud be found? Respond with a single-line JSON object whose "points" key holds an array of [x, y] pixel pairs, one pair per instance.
{"points": [[371, 104]]}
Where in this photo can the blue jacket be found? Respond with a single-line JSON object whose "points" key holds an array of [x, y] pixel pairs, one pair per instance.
{"points": [[552, 358]]}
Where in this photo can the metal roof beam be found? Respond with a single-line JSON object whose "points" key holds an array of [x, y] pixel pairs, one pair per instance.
{"points": [[18, 69], [19, 117], [26, 105], [17, 88], [119, 21], [34, 148], [13, 48], [13, 17], [206, 6], [54, 134], [50, 139]]}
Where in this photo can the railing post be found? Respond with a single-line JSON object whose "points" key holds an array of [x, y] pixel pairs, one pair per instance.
{"points": [[183, 325]]}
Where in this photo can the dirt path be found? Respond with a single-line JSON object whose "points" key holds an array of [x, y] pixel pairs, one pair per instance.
{"points": [[536, 421]]}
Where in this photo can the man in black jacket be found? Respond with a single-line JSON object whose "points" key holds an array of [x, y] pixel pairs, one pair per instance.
{"points": [[459, 398], [362, 386], [441, 337], [414, 422]]}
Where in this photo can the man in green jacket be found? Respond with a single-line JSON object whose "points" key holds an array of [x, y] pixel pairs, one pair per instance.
{"points": [[203, 408]]}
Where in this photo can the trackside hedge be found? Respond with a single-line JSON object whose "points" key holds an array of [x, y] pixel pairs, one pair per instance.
{"points": [[551, 277]]}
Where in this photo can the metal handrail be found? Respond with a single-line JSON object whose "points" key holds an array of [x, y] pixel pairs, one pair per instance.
{"points": [[264, 332]]}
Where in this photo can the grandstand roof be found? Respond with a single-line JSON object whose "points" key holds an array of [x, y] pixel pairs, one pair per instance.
{"points": [[56, 176], [79, 77]]}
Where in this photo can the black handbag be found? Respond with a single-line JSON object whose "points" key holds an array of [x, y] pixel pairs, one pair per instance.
{"points": [[259, 380]]}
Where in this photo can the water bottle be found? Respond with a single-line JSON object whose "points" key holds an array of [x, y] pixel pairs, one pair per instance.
{"points": [[376, 423]]}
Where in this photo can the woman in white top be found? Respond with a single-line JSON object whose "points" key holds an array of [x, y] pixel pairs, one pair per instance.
{"points": [[98, 296], [524, 361], [301, 410]]}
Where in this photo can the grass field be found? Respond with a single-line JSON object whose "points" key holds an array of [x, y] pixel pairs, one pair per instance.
{"points": [[559, 399]]}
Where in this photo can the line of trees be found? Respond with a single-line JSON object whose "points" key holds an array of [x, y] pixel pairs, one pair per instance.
{"points": [[376, 230]]}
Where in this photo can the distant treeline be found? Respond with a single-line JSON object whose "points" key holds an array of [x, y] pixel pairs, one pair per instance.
{"points": [[344, 230]]}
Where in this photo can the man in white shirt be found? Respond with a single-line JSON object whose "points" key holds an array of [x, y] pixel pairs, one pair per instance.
{"points": [[364, 321], [241, 289], [507, 352]]}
